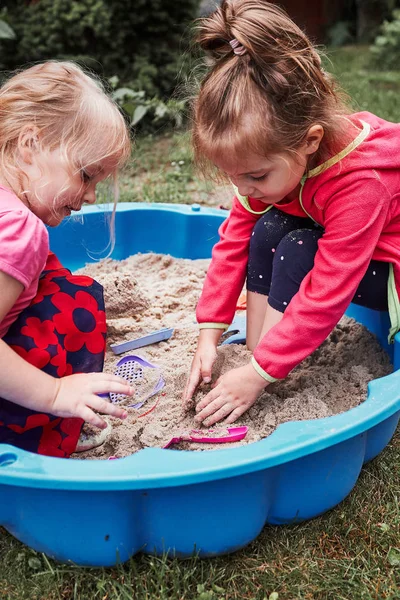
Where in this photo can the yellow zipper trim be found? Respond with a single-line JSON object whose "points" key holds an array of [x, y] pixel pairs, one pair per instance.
{"points": [[246, 204], [345, 152], [302, 182], [393, 305], [333, 161]]}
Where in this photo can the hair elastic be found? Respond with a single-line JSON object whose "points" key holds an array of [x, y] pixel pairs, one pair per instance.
{"points": [[237, 47]]}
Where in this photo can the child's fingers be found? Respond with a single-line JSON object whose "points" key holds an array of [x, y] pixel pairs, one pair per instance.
{"points": [[235, 414], [206, 369], [211, 396], [185, 396], [106, 383], [218, 415], [85, 413], [191, 384], [107, 408], [208, 411]]}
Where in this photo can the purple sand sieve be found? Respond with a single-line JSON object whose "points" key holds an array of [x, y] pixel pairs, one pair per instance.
{"points": [[126, 369]]}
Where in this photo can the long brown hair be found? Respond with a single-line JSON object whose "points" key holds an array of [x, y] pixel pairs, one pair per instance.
{"points": [[266, 99]]}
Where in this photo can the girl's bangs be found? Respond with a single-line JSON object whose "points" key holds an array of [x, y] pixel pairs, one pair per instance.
{"points": [[107, 143], [235, 143]]}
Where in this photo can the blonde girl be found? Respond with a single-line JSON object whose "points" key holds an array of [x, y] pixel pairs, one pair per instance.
{"points": [[60, 135], [315, 221]]}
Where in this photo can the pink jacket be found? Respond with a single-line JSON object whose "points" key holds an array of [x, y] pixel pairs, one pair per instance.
{"points": [[355, 196]]}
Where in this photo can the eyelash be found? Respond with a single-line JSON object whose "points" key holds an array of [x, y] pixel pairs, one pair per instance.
{"points": [[261, 178], [85, 176]]}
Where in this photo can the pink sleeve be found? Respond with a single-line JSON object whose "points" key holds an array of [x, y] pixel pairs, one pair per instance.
{"points": [[227, 271], [24, 245], [354, 220]]}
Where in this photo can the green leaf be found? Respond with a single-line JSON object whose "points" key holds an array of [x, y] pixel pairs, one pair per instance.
{"points": [[34, 563], [114, 81], [20, 557], [394, 557], [129, 108], [274, 596], [161, 110], [124, 92], [6, 33], [139, 113], [218, 589]]}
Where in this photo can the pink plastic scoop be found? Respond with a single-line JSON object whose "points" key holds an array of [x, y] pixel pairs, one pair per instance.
{"points": [[218, 436]]}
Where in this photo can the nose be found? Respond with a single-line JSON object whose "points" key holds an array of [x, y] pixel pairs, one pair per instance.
{"points": [[244, 189], [90, 195]]}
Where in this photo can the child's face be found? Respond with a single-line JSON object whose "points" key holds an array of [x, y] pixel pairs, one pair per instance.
{"points": [[267, 179], [55, 189]]}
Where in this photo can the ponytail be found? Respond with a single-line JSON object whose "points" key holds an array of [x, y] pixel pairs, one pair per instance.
{"points": [[274, 88]]}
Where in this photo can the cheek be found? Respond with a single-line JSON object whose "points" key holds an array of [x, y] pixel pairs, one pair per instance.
{"points": [[299, 168], [293, 174], [266, 186]]}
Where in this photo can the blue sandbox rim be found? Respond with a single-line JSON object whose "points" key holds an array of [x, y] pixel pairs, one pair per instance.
{"points": [[157, 468]]}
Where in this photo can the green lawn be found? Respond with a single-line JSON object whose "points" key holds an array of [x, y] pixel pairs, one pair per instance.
{"points": [[376, 91], [352, 552]]}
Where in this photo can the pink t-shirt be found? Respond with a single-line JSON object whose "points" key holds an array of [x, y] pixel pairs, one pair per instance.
{"points": [[24, 246]]}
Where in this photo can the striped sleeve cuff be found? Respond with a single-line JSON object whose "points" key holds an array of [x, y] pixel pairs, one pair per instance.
{"points": [[261, 371], [223, 326]]}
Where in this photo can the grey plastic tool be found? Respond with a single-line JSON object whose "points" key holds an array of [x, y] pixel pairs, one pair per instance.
{"points": [[238, 330], [146, 340]]}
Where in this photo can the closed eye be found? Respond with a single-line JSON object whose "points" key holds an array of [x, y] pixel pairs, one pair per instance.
{"points": [[259, 177], [86, 178]]}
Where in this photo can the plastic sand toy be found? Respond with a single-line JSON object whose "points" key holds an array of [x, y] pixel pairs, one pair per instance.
{"points": [[157, 500]]}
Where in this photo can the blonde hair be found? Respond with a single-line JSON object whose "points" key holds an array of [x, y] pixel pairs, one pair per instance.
{"points": [[264, 97], [72, 112]]}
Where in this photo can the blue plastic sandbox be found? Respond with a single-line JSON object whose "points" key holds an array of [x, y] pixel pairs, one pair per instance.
{"points": [[102, 512]]}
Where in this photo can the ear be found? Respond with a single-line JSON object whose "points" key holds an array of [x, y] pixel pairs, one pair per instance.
{"points": [[313, 138], [28, 143]]}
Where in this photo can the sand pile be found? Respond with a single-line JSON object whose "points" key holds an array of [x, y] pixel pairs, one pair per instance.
{"points": [[147, 292]]}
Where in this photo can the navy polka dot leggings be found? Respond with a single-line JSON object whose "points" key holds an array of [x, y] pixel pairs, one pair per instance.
{"points": [[282, 251]]}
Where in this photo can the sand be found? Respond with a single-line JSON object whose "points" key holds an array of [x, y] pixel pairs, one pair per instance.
{"points": [[148, 292]]}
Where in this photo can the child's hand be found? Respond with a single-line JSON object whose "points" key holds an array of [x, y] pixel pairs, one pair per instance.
{"points": [[233, 394], [203, 361], [77, 395]]}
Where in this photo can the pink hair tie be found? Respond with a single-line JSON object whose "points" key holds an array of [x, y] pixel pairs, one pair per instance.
{"points": [[237, 47]]}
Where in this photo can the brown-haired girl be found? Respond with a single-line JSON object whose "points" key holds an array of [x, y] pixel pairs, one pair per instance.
{"points": [[60, 135], [315, 222]]}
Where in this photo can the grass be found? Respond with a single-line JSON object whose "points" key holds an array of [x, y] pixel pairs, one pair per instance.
{"points": [[162, 171], [375, 91], [352, 552]]}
